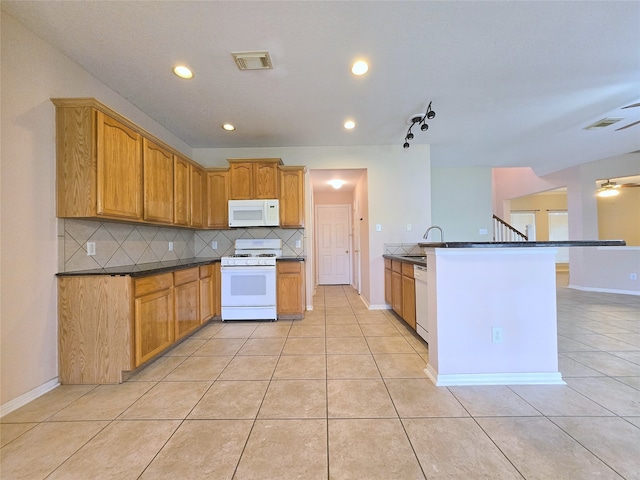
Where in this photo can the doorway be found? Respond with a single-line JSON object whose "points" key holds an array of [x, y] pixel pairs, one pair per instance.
{"points": [[333, 228]]}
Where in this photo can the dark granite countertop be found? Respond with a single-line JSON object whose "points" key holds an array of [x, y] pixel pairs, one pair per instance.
{"points": [[155, 268], [144, 269], [414, 259], [566, 243]]}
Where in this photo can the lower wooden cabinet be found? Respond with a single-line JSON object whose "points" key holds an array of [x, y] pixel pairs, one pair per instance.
{"points": [[207, 298], [396, 286], [186, 295], [108, 325], [290, 290], [153, 316], [399, 289], [408, 295], [387, 282]]}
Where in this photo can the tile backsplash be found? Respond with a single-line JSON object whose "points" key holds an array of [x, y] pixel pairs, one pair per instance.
{"points": [[402, 249], [120, 244]]}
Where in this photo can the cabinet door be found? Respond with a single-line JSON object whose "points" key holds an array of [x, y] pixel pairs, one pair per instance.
{"points": [[154, 330], [409, 300], [265, 180], [119, 165], [181, 191], [241, 181], [207, 307], [396, 292], [187, 309], [388, 297], [290, 287], [217, 199], [292, 197], [157, 183], [197, 184]]}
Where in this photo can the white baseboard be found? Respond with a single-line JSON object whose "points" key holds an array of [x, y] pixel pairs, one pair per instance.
{"points": [[494, 378], [604, 290], [379, 307], [25, 398]]}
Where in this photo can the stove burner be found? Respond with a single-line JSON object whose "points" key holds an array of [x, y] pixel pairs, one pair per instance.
{"points": [[266, 255], [236, 255]]}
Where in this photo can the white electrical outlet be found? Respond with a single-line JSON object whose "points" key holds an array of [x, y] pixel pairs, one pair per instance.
{"points": [[496, 335], [91, 248], [633, 276], [378, 227], [298, 244], [483, 231], [214, 244], [408, 227], [171, 246]]}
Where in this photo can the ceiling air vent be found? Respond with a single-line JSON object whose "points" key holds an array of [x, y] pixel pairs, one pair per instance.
{"points": [[252, 60], [605, 122]]}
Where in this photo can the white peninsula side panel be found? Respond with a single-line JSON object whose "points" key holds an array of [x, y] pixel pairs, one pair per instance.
{"points": [[472, 291]]}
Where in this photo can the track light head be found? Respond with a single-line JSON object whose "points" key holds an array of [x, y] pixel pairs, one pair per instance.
{"points": [[420, 120]]}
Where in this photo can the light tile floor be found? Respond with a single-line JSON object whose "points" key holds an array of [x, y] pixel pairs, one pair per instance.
{"points": [[342, 395]]}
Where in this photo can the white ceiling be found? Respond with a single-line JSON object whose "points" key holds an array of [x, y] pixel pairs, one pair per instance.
{"points": [[512, 83]]}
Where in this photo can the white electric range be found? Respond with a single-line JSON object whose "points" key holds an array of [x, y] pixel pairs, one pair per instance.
{"points": [[249, 280]]}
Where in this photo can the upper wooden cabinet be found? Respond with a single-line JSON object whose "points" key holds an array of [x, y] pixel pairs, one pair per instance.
{"points": [[157, 183], [253, 178], [99, 164], [181, 191], [291, 196], [197, 196], [217, 195]]}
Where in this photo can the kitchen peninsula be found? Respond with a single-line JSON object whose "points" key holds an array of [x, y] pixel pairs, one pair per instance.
{"points": [[491, 311]]}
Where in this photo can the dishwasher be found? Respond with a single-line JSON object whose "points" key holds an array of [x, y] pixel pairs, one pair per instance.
{"points": [[420, 276]]}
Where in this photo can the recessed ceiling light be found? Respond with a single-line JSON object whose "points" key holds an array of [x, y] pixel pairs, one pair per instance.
{"points": [[360, 68], [336, 183], [228, 127], [349, 124], [182, 72]]}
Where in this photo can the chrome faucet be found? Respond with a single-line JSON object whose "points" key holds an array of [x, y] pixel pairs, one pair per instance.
{"points": [[426, 234]]}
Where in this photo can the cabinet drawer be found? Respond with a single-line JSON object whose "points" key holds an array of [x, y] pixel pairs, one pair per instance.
{"points": [[396, 266], [206, 271], [186, 276], [407, 269], [153, 283], [289, 267], [387, 263]]}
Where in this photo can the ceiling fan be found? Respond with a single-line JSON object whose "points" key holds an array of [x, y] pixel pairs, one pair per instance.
{"points": [[633, 105], [611, 189]]}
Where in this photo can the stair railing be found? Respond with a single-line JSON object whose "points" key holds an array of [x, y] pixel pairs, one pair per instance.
{"points": [[503, 232]]}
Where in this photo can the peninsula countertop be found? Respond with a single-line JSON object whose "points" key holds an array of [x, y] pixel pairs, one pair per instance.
{"points": [[563, 243]]}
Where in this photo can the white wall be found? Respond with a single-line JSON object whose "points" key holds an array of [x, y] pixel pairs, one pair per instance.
{"points": [[461, 204], [398, 187], [32, 73]]}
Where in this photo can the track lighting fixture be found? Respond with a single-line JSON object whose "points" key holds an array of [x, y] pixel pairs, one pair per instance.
{"points": [[420, 120]]}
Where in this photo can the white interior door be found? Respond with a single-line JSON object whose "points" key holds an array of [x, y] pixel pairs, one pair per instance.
{"points": [[334, 252]]}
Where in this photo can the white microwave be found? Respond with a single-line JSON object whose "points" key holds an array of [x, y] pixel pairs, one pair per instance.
{"points": [[254, 213]]}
